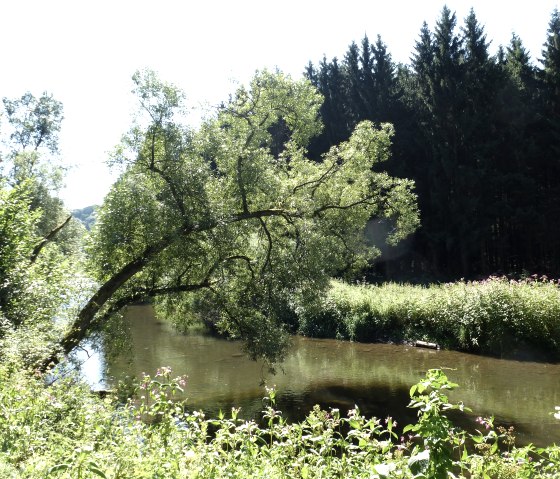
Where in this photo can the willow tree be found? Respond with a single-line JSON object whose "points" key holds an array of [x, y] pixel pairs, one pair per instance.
{"points": [[225, 212]]}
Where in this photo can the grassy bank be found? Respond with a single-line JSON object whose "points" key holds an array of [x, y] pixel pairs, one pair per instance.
{"points": [[495, 316], [63, 431]]}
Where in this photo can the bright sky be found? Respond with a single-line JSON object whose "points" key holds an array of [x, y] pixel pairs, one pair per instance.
{"points": [[84, 53]]}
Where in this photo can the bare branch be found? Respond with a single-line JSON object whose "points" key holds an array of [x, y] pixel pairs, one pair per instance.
{"points": [[318, 181], [46, 239], [362, 201]]}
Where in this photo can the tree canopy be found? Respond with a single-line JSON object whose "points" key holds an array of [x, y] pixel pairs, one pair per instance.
{"points": [[38, 239], [479, 135], [236, 215]]}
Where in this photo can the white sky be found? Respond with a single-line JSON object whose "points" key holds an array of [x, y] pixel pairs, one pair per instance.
{"points": [[84, 53]]}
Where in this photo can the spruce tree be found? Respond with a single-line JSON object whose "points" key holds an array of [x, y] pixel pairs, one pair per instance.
{"points": [[354, 84], [547, 166]]}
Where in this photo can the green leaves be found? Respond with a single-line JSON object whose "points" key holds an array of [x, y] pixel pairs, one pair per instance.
{"points": [[158, 99], [440, 439], [237, 212], [35, 121], [418, 464], [80, 469], [29, 287], [64, 431]]}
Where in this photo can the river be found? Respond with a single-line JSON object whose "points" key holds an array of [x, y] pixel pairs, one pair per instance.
{"points": [[375, 377]]}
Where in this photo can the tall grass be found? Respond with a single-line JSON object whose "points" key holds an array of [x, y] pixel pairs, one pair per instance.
{"points": [[493, 316]]}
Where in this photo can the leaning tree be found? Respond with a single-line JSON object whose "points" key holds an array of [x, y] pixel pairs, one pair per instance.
{"points": [[235, 213]]}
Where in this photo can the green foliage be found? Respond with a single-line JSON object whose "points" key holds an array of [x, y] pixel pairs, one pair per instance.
{"points": [[479, 134], [38, 240], [35, 122], [86, 216], [241, 217], [494, 316], [32, 291], [64, 431], [440, 440], [17, 239], [31, 139]]}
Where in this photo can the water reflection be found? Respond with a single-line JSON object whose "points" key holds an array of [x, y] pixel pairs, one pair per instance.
{"points": [[375, 377]]}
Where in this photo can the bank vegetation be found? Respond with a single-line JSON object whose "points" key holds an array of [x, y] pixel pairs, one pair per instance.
{"points": [[496, 316]]}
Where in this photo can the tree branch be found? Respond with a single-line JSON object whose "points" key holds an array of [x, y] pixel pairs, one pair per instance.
{"points": [[46, 239], [269, 250], [87, 316], [363, 201], [153, 168], [316, 182]]}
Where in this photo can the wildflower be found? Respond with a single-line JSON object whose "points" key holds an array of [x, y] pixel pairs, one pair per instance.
{"points": [[483, 422], [163, 371]]}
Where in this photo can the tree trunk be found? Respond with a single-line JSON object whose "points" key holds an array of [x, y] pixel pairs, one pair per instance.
{"points": [[86, 317]]}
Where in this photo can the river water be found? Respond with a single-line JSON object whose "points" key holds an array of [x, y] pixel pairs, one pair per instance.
{"points": [[375, 377]]}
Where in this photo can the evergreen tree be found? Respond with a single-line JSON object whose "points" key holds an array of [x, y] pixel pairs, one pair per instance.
{"points": [[353, 73], [422, 63], [437, 68], [385, 85], [456, 84], [330, 82], [547, 134], [515, 228], [519, 67], [479, 134], [551, 64]]}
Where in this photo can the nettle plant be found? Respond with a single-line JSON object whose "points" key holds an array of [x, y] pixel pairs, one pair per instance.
{"points": [[441, 446], [64, 432]]}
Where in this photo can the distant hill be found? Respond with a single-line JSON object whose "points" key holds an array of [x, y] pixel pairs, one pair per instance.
{"points": [[86, 215]]}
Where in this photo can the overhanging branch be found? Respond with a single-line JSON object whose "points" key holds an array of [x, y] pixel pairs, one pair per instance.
{"points": [[46, 239]]}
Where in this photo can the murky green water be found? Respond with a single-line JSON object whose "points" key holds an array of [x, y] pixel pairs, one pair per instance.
{"points": [[376, 377]]}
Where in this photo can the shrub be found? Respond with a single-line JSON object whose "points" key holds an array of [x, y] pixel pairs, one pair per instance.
{"points": [[63, 431], [491, 316]]}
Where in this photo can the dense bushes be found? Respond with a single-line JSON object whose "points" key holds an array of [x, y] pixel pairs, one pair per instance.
{"points": [[63, 431], [495, 316]]}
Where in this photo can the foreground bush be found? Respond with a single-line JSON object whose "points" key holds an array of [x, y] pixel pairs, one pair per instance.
{"points": [[62, 431], [491, 316]]}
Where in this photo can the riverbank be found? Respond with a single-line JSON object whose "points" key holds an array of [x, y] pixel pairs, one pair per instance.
{"points": [[374, 376], [497, 316], [63, 431]]}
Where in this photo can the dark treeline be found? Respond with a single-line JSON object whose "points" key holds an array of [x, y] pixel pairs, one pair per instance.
{"points": [[479, 134]]}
